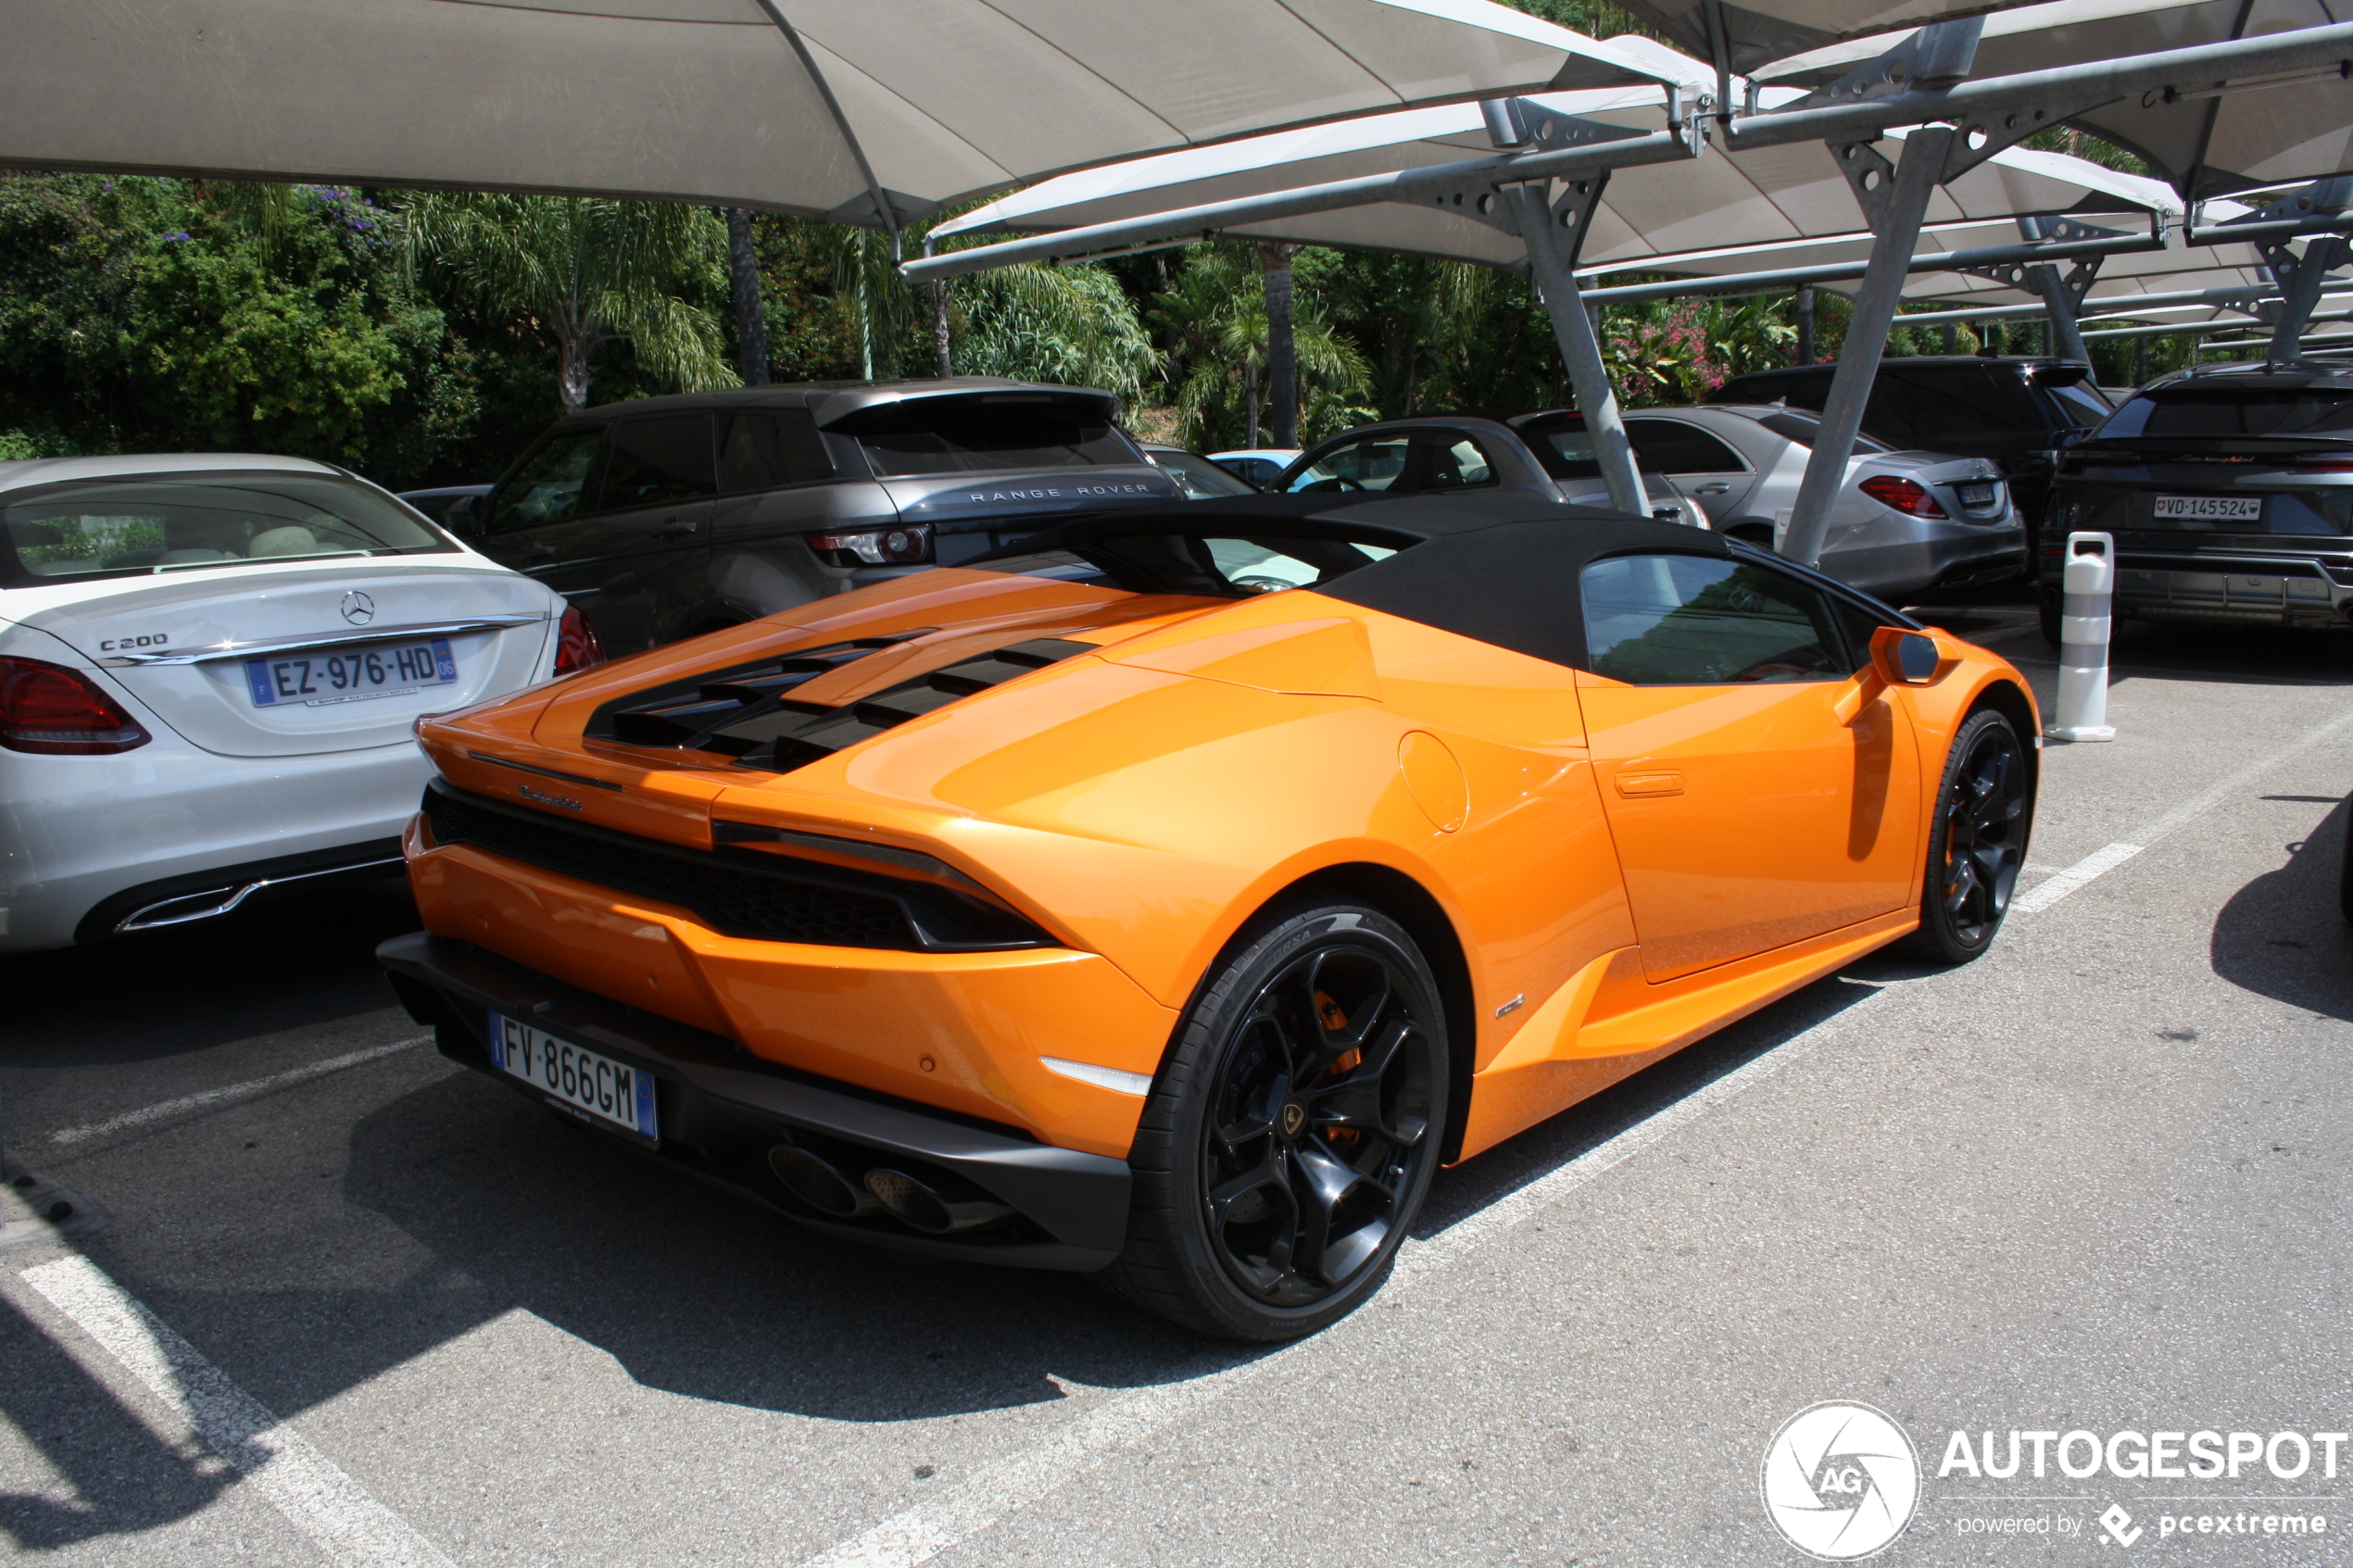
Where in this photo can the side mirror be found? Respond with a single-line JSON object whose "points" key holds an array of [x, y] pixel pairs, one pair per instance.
{"points": [[459, 517], [1906, 659]]}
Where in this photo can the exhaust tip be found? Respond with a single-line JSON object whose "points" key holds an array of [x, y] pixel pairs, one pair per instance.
{"points": [[817, 1183], [918, 1204]]}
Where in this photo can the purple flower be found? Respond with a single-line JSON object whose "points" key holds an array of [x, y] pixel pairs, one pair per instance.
{"points": [[175, 236]]}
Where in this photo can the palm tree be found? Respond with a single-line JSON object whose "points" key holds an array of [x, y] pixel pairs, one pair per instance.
{"points": [[1219, 327], [585, 272], [1074, 325]]}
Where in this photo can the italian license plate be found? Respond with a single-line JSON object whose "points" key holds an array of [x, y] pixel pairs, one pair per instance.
{"points": [[603, 1089], [2210, 508], [1977, 494], [324, 677]]}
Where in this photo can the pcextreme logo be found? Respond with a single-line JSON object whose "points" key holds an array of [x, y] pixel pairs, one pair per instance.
{"points": [[1840, 1481]]}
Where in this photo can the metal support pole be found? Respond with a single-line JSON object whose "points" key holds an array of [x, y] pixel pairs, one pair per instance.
{"points": [[2302, 294], [2086, 581], [2058, 305], [1876, 302], [1805, 324], [1583, 351]]}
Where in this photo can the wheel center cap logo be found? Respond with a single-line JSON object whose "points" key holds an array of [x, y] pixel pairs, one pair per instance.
{"points": [[1294, 1117], [1840, 1481], [358, 608]]}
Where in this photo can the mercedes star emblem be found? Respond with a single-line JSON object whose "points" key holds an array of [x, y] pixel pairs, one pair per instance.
{"points": [[358, 608]]}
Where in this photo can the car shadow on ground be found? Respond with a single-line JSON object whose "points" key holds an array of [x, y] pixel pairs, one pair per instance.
{"points": [[301, 961], [699, 1293], [2281, 934]]}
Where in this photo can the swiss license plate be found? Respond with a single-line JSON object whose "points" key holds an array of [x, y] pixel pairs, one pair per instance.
{"points": [[604, 1089], [1977, 494], [323, 677], [2211, 508]]}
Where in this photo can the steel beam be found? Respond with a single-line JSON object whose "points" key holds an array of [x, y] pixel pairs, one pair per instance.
{"points": [[2199, 329], [1897, 223], [1573, 330], [1835, 271], [1988, 113]]}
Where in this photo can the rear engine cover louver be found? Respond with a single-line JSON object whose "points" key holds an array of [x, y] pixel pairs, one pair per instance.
{"points": [[744, 713]]}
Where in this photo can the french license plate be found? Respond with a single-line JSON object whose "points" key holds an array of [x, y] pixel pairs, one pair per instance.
{"points": [[2211, 508], [323, 677], [1977, 494], [606, 1090]]}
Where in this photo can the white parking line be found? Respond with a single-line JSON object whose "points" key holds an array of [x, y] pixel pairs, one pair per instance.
{"points": [[915, 1536], [221, 1096], [313, 1493], [2043, 895]]}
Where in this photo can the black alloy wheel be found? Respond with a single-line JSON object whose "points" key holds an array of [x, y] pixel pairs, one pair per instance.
{"points": [[1293, 1133], [1976, 841]]}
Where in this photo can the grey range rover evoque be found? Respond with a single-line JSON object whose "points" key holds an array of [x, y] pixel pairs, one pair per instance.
{"points": [[2229, 492], [669, 517]]}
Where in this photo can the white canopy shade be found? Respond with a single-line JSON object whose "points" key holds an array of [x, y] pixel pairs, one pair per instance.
{"points": [[1708, 215], [788, 106], [1756, 31], [2204, 146]]}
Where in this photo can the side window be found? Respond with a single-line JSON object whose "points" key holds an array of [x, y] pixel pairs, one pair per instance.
{"points": [[549, 486], [1672, 446], [1448, 460], [1861, 626], [1694, 621], [1375, 463], [766, 447], [657, 461]]}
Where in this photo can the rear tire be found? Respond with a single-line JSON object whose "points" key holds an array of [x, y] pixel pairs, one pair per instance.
{"points": [[1292, 1132], [2048, 608], [1976, 841]]}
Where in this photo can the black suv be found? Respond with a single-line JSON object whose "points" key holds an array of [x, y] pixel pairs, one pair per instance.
{"points": [[2229, 490], [2018, 410], [673, 515]]}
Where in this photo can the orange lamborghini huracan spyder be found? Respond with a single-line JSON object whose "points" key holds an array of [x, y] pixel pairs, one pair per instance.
{"points": [[1168, 894]]}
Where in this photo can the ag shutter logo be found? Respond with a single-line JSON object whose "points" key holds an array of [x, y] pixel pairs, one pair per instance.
{"points": [[1840, 1481]]}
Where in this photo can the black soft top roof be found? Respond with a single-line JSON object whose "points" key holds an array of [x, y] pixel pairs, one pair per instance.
{"points": [[1500, 569]]}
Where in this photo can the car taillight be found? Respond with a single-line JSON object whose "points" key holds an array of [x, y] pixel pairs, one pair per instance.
{"points": [[2326, 462], [881, 547], [576, 645], [1904, 494], [48, 708]]}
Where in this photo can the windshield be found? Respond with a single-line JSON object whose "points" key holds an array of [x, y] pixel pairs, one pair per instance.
{"points": [[1197, 477], [120, 527], [990, 434], [1214, 566], [2189, 408]]}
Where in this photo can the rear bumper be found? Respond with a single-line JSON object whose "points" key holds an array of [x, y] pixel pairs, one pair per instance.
{"points": [[2273, 590], [722, 1110]]}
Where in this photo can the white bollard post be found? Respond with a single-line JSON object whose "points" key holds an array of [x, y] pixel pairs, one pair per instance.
{"points": [[2086, 581]]}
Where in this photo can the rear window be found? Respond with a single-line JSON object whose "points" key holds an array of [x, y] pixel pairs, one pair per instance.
{"points": [[1562, 447], [1970, 402], [1202, 565], [126, 527], [2192, 409], [988, 434], [1804, 428]]}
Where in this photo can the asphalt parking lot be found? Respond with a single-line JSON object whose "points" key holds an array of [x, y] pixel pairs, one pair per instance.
{"points": [[323, 1297]]}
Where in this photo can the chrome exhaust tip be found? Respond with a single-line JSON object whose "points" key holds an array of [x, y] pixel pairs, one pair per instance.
{"points": [[929, 1210], [817, 1183]]}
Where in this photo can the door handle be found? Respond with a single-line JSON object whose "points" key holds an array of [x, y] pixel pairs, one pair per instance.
{"points": [[1649, 783], [674, 528], [1715, 490]]}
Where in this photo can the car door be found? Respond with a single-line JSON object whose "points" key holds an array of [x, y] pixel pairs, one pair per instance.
{"points": [[1757, 780], [1700, 465], [639, 563]]}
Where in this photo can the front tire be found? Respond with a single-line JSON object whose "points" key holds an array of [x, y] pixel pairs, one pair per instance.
{"points": [[1976, 841], [1292, 1132]]}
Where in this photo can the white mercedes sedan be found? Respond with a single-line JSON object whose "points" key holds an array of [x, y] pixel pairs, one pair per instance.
{"points": [[210, 668]]}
